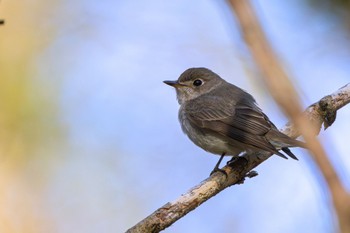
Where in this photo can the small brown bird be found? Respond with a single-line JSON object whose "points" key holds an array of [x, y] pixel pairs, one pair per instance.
{"points": [[223, 119]]}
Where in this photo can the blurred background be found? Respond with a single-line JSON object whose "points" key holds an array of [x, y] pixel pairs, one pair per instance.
{"points": [[89, 136]]}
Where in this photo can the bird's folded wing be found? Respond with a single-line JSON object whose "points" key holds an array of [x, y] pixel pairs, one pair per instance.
{"points": [[245, 124]]}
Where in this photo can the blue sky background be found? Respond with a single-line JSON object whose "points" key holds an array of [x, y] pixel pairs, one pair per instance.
{"points": [[124, 155]]}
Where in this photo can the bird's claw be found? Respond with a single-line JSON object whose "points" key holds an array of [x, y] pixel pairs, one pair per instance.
{"points": [[232, 160], [216, 169]]}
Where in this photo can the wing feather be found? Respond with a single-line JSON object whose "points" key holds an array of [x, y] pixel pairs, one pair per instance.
{"points": [[244, 123]]}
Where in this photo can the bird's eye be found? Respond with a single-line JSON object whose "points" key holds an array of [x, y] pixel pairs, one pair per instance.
{"points": [[197, 82]]}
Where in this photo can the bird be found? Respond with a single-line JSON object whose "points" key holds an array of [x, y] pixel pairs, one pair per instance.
{"points": [[225, 120]]}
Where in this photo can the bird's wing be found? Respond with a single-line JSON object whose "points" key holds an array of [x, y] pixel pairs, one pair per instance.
{"points": [[244, 122]]}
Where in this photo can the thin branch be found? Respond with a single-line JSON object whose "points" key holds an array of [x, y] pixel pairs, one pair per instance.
{"points": [[286, 96], [237, 170]]}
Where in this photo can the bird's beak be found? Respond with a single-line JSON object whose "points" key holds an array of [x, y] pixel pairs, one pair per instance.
{"points": [[175, 84]]}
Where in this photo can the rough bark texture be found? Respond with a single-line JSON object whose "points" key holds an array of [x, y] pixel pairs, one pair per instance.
{"points": [[238, 170]]}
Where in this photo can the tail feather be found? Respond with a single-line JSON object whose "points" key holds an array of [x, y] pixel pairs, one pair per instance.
{"points": [[280, 140], [281, 155], [289, 152]]}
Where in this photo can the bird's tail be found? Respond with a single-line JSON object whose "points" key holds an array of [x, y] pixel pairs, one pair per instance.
{"points": [[282, 141], [289, 152]]}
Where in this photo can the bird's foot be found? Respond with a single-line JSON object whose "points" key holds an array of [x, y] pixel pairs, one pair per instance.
{"points": [[232, 160], [216, 169]]}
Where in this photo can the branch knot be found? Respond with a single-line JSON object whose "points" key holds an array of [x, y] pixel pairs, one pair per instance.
{"points": [[327, 111]]}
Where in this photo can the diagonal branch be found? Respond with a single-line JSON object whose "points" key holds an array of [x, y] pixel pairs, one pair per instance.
{"points": [[286, 96], [237, 170]]}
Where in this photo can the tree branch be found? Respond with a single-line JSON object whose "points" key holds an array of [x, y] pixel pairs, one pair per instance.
{"points": [[322, 112], [237, 170], [286, 96]]}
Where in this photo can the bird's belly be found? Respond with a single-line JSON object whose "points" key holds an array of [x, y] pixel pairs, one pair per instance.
{"points": [[210, 142], [213, 144]]}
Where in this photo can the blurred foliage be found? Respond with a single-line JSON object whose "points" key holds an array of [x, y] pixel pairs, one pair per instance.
{"points": [[338, 8], [28, 119], [27, 105], [331, 4]]}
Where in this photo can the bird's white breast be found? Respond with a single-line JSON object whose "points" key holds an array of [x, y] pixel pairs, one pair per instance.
{"points": [[208, 142]]}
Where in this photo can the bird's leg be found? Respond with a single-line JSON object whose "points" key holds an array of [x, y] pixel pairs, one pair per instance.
{"points": [[232, 160], [217, 169]]}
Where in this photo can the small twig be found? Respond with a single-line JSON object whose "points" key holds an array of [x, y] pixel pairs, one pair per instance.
{"points": [[236, 172]]}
